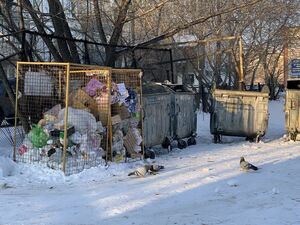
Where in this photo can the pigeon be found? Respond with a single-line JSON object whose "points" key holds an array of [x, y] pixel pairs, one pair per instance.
{"points": [[155, 168], [140, 172], [146, 169], [246, 165]]}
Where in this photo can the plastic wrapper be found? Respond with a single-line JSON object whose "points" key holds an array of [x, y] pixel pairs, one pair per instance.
{"points": [[123, 93], [100, 128], [131, 101], [25, 146], [118, 143], [90, 142], [76, 138], [114, 98], [22, 149], [94, 141]]}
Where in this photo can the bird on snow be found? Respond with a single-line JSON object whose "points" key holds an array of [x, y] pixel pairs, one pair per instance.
{"points": [[246, 165], [146, 169]]}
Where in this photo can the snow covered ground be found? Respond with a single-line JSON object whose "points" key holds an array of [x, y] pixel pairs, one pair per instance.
{"points": [[200, 185]]}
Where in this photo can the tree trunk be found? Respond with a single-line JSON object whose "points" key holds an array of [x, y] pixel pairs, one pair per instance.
{"points": [[68, 49], [110, 51], [99, 24], [40, 26]]}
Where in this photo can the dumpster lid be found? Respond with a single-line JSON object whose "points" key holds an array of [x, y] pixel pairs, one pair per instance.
{"points": [[153, 88], [177, 87]]}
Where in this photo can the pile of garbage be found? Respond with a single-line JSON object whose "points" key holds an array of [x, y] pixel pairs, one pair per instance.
{"points": [[87, 128], [45, 142]]}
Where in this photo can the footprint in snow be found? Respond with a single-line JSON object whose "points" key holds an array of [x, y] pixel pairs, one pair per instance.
{"points": [[275, 191], [233, 183]]}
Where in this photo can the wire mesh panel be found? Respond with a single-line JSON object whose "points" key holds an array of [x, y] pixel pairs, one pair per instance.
{"points": [[67, 108], [7, 132], [126, 115]]}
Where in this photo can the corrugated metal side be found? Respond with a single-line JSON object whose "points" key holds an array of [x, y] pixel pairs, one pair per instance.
{"points": [[239, 113], [292, 120], [185, 121], [157, 118]]}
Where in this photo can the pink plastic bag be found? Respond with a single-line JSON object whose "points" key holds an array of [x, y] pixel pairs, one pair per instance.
{"points": [[23, 148], [92, 86]]}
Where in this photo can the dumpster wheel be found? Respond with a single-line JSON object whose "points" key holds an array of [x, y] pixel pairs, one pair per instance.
{"points": [[191, 141], [293, 136], [217, 138]]}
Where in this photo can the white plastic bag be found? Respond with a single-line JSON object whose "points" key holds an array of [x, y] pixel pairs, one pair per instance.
{"points": [[82, 120]]}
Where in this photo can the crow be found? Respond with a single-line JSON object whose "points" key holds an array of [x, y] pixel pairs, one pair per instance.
{"points": [[246, 165], [146, 169]]}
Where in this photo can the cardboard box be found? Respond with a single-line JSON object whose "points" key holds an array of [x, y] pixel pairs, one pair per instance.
{"points": [[81, 100], [115, 109], [124, 113], [115, 119], [132, 141], [102, 101]]}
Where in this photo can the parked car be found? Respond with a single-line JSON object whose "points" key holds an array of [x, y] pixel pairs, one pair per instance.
{"points": [[6, 107]]}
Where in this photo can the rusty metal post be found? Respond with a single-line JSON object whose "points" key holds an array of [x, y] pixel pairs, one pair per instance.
{"points": [[241, 66]]}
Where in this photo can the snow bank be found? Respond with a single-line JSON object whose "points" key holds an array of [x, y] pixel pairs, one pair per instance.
{"points": [[7, 167]]}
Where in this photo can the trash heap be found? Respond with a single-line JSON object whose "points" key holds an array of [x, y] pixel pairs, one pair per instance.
{"points": [[126, 123], [101, 124]]}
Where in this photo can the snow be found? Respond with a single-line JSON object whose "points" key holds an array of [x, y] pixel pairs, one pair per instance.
{"points": [[201, 184], [7, 167]]}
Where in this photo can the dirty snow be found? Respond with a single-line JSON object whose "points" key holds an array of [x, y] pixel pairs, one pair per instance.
{"points": [[200, 185]]}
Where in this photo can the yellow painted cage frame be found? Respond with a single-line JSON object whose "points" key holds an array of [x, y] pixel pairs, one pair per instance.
{"points": [[66, 72]]}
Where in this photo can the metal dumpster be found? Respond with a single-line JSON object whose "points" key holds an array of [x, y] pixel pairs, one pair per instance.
{"points": [[184, 111], [292, 116], [157, 114], [239, 113]]}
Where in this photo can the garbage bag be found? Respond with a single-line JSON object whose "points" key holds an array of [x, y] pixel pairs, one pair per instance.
{"points": [[83, 121], [38, 137]]}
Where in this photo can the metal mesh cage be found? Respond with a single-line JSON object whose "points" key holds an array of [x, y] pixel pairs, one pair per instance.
{"points": [[126, 115], [67, 109]]}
